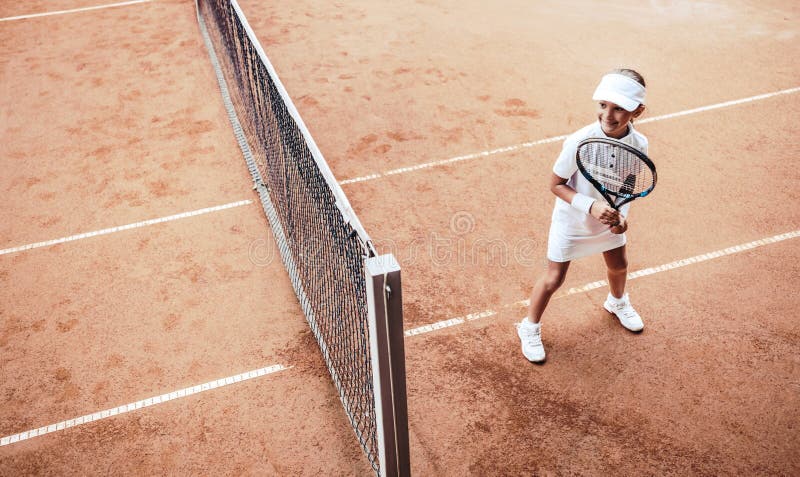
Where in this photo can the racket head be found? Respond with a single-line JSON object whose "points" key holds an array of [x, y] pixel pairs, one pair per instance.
{"points": [[619, 171]]}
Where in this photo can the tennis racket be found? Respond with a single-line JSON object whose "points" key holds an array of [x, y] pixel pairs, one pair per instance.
{"points": [[620, 172]]}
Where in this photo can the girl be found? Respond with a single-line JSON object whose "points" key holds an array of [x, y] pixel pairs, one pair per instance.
{"points": [[583, 223]]}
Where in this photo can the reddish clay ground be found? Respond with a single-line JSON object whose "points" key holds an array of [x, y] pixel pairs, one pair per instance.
{"points": [[113, 116]]}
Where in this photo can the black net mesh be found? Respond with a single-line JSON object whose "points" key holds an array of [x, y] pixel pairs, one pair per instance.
{"points": [[322, 249]]}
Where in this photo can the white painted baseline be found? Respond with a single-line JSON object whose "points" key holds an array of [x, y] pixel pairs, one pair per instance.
{"points": [[548, 140], [74, 10], [600, 283], [134, 406], [124, 227]]}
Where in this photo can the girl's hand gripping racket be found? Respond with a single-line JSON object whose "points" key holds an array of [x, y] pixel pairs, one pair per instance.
{"points": [[620, 172]]}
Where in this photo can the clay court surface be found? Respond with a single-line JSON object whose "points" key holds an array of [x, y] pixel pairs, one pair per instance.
{"points": [[113, 116]]}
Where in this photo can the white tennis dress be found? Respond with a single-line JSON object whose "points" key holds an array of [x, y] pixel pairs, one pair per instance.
{"points": [[574, 234]]}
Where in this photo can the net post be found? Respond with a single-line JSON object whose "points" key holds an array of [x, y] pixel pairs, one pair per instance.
{"points": [[385, 307]]}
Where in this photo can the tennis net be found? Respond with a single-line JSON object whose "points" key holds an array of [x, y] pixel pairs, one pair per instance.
{"points": [[351, 297]]}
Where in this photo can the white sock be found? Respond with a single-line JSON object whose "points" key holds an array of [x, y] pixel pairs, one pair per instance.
{"points": [[528, 321], [614, 299]]}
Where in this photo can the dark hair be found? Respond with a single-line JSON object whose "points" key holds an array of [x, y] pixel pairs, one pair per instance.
{"points": [[632, 74]]}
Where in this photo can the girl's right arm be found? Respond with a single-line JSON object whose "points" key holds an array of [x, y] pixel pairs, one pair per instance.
{"points": [[600, 210]]}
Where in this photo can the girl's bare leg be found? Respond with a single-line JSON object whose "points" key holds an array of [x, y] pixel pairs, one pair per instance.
{"points": [[544, 288], [617, 264]]}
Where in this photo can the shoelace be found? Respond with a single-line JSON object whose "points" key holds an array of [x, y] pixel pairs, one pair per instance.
{"points": [[626, 310], [531, 336]]}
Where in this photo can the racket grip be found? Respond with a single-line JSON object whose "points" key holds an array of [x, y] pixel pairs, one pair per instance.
{"points": [[582, 202]]}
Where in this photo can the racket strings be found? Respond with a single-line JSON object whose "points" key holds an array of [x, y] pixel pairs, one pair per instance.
{"points": [[619, 171]]}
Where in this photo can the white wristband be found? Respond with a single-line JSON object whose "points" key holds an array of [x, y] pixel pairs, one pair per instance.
{"points": [[582, 202]]}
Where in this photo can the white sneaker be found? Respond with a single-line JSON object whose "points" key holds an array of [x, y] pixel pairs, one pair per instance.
{"points": [[531, 336], [623, 309]]}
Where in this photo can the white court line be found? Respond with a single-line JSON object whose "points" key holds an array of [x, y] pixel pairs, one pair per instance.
{"points": [[12, 439], [75, 10], [726, 104], [134, 406], [548, 140], [600, 283], [125, 227]]}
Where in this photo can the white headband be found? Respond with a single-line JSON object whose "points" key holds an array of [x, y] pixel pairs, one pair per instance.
{"points": [[620, 90]]}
